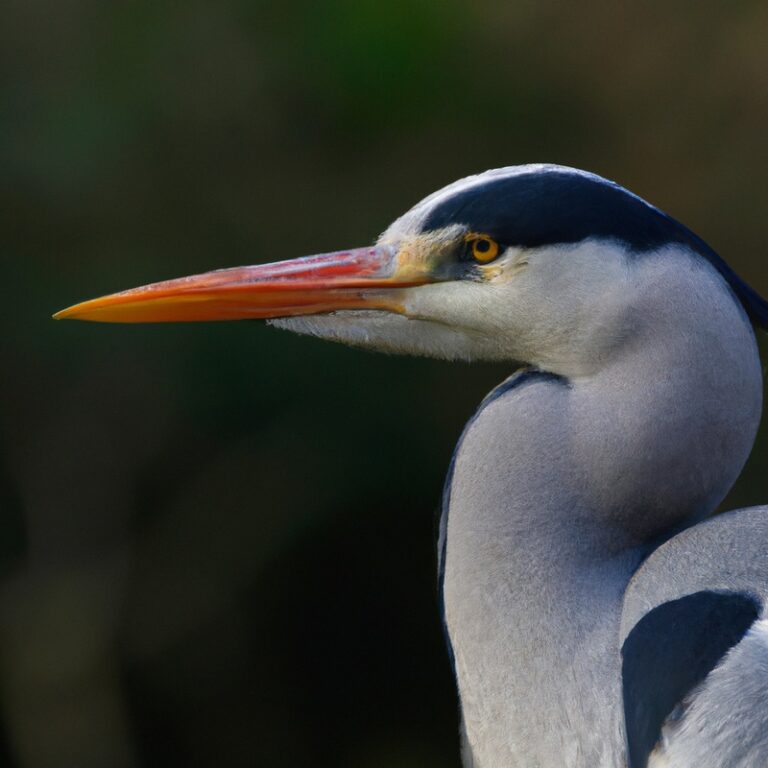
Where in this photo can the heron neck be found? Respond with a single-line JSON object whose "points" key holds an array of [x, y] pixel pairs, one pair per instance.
{"points": [[558, 489]]}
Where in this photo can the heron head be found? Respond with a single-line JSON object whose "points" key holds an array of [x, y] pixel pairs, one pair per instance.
{"points": [[531, 263]]}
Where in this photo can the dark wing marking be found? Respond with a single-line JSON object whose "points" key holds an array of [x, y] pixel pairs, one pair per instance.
{"points": [[669, 652]]}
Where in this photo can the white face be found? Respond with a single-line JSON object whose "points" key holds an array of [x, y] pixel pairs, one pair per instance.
{"points": [[557, 307]]}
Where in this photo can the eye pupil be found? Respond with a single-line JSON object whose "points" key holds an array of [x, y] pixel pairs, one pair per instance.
{"points": [[482, 246]]}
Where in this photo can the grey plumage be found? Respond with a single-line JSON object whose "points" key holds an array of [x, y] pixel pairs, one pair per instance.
{"points": [[559, 490], [725, 721]]}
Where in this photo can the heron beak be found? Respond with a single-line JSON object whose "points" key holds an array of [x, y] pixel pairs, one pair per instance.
{"points": [[362, 278]]}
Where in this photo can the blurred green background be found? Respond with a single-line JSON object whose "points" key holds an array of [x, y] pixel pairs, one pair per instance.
{"points": [[217, 541]]}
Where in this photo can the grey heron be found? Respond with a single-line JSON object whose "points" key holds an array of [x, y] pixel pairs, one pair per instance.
{"points": [[594, 615]]}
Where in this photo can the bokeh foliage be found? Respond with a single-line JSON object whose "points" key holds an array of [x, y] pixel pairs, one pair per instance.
{"points": [[216, 542]]}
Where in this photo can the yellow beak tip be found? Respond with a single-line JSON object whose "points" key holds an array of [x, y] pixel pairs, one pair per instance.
{"points": [[69, 313]]}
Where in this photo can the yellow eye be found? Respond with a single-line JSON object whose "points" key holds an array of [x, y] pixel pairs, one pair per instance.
{"points": [[484, 249]]}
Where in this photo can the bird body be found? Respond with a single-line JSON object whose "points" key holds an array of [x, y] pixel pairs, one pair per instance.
{"points": [[722, 720], [593, 619]]}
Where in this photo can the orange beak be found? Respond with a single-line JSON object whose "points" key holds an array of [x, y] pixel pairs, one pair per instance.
{"points": [[362, 278]]}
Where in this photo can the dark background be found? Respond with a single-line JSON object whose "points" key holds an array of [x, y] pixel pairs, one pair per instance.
{"points": [[216, 541]]}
